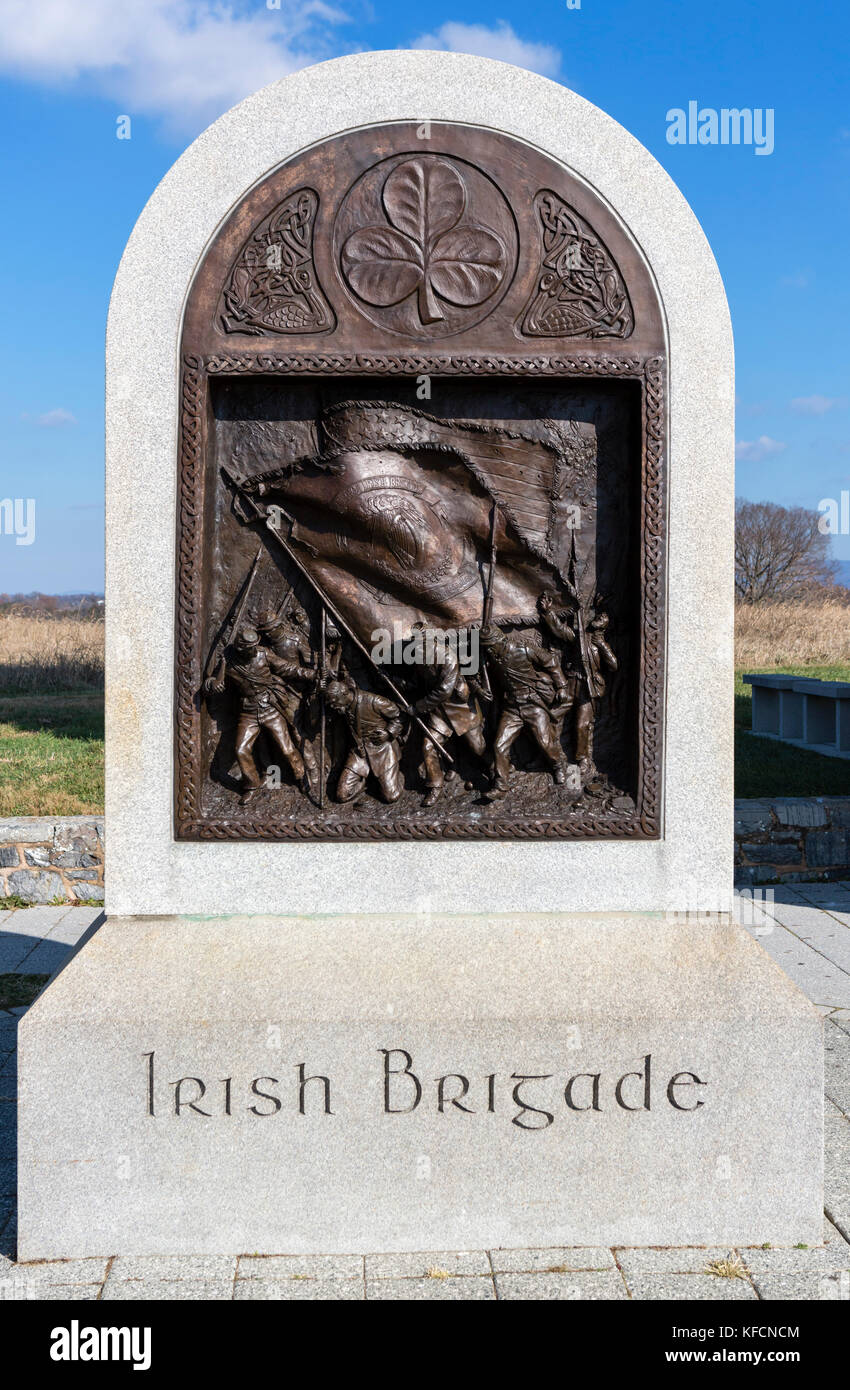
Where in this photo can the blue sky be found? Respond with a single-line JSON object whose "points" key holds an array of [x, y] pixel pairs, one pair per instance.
{"points": [[778, 223]]}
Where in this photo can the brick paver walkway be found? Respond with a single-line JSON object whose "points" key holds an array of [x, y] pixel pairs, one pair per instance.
{"points": [[805, 929]]}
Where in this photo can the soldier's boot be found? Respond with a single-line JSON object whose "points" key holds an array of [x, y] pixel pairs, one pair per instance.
{"points": [[432, 795]]}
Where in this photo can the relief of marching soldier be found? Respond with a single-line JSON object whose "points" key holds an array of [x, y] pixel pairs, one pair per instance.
{"points": [[287, 635], [261, 683], [374, 728], [587, 655], [449, 709], [533, 696]]}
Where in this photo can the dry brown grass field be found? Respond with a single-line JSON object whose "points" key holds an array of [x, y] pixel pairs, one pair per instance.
{"points": [[792, 634], [51, 715], [41, 653], [51, 705]]}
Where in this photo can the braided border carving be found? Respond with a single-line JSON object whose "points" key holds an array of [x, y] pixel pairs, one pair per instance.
{"points": [[652, 597], [645, 822], [413, 364], [187, 737]]}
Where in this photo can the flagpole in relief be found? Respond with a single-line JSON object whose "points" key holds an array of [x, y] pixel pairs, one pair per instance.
{"points": [[322, 661], [580, 628], [487, 615], [330, 607], [231, 625]]}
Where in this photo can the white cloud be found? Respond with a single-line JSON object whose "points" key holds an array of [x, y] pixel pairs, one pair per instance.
{"points": [[800, 280], [185, 61], [817, 405], [754, 450], [499, 42], [54, 419]]}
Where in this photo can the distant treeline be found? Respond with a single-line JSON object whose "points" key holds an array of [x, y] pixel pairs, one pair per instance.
{"points": [[42, 605]]}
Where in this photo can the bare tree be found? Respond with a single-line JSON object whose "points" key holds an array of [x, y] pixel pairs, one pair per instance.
{"points": [[779, 552]]}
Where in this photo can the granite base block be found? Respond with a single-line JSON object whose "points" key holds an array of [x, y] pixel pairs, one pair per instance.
{"points": [[259, 1085]]}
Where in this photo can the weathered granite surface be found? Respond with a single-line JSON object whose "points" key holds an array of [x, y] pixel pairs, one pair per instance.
{"points": [[548, 998]]}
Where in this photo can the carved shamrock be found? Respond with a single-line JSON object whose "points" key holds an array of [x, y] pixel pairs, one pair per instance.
{"points": [[427, 247]]}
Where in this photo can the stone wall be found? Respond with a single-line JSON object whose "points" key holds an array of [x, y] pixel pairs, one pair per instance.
{"points": [[44, 859], [792, 839]]}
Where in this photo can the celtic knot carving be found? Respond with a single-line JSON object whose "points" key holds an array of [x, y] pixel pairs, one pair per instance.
{"points": [[273, 286], [580, 292]]}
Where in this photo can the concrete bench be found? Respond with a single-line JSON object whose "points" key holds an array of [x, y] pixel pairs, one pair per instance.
{"points": [[803, 711]]}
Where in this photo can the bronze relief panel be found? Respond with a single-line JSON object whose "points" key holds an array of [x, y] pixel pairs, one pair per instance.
{"points": [[421, 572]]}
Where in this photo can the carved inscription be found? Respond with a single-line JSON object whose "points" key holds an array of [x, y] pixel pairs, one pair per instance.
{"points": [[399, 1085]]}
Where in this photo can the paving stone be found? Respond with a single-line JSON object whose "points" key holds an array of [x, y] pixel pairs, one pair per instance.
{"points": [[168, 1290], [678, 1260], [45, 957], [167, 1267], [816, 976], [820, 1260], [831, 1233], [86, 1271], [299, 1290], [462, 1290], [416, 1265], [703, 1287], [819, 929], [825, 894], [580, 1286], [66, 1293], [37, 921], [301, 1267], [74, 925], [837, 1065], [804, 1287], [14, 950], [557, 1260], [837, 1167]]}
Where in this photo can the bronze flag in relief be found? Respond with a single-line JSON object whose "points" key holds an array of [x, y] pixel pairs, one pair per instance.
{"points": [[393, 516]]}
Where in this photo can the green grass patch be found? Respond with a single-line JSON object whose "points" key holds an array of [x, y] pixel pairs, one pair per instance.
{"points": [[18, 991], [766, 767], [51, 754]]}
